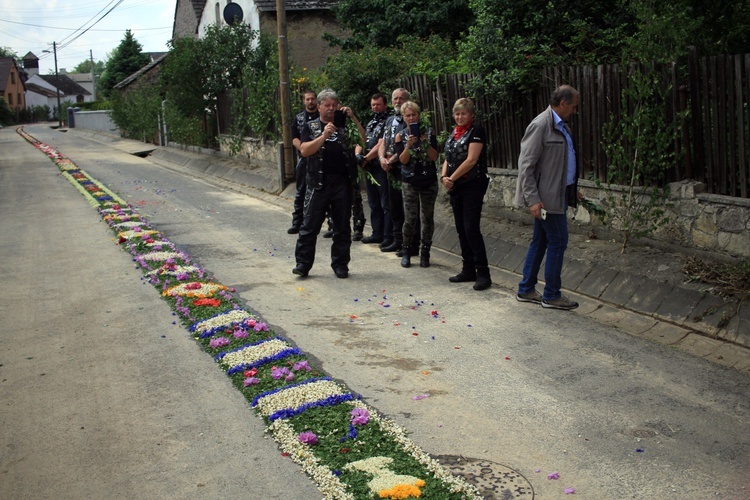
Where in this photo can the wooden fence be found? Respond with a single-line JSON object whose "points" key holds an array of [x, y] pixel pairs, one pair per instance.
{"points": [[713, 147]]}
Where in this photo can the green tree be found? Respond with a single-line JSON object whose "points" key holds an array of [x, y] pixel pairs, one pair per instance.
{"points": [[8, 52], [357, 74], [126, 59], [512, 39], [225, 61], [721, 26], [85, 67], [254, 107], [375, 22]]}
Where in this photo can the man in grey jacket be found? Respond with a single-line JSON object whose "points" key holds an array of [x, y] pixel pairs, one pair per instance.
{"points": [[548, 185]]}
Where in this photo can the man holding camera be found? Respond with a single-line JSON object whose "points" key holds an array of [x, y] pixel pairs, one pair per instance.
{"points": [[331, 169]]}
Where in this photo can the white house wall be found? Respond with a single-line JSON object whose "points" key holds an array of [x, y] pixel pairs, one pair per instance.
{"points": [[209, 17]]}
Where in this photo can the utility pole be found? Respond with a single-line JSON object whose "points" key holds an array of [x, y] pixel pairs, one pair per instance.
{"points": [[57, 87], [286, 107], [93, 75]]}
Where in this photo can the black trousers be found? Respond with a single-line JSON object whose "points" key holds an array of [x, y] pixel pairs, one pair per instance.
{"points": [[380, 203], [466, 201], [300, 173], [396, 201], [334, 198]]}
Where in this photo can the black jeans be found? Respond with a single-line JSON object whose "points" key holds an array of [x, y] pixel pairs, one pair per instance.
{"points": [[378, 200], [335, 197], [396, 203], [466, 200], [300, 172]]}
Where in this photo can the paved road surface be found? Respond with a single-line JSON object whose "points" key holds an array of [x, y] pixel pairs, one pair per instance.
{"points": [[573, 396]]}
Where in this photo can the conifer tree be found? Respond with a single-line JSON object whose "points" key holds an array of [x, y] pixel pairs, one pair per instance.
{"points": [[126, 59]]}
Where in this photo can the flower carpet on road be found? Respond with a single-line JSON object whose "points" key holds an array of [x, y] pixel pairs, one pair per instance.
{"points": [[344, 445]]}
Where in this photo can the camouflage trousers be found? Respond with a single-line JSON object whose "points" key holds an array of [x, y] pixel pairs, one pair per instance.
{"points": [[419, 205]]}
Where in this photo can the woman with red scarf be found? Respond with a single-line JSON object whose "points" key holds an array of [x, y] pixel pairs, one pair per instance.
{"points": [[464, 176]]}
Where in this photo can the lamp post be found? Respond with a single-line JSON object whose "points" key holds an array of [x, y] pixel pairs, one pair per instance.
{"points": [[57, 85]]}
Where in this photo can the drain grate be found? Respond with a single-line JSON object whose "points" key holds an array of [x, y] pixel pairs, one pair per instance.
{"points": [[494, 481]]}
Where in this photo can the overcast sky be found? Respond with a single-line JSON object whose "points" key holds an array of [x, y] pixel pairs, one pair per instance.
{"points": [[32, 26]]}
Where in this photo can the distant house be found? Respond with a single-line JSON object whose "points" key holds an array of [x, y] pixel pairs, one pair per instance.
{"points": [[12, 87], [41, 93], [42, 90], [85, 80], [306, 22], [68, 87]]}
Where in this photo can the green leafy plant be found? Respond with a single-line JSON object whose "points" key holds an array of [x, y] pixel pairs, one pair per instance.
{"points": [[638, 147], [136, 112]]}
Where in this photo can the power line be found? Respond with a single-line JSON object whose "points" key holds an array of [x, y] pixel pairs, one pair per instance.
{"points": [[76, 29], [65, 44]]}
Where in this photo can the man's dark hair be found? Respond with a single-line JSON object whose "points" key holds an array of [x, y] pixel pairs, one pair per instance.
{"points": [[308, 91], [377, 96], [563, 93]]}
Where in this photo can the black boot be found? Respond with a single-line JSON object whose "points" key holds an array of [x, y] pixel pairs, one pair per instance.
{"points": [[424, 259], [405, 257], [393, 247], [464, 276], [483, 279]]}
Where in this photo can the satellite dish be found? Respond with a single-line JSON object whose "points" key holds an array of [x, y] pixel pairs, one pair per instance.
{"points": [[233, 13]]}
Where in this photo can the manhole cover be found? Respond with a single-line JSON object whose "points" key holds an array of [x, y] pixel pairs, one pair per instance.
{"points": [[494, 481]]}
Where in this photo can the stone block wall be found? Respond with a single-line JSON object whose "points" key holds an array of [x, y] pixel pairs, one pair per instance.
{"points": [[262, 153], [697, 220]]}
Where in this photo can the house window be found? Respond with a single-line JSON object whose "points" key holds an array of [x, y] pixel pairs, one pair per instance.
{"points": [[10, 99], [12, 78], [19, 99]]}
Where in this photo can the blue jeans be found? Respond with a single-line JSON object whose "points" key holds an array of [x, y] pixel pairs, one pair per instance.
{"points": [[550, 235]]}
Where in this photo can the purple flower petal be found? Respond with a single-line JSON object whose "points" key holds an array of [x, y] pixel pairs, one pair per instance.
{"points": [[360, 416], [308, 437]]}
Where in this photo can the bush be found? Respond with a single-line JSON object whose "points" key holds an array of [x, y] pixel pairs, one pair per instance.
{"points": [[6, 115]]}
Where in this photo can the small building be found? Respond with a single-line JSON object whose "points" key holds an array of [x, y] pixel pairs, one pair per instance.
{"points": [[147, 75], [12, 86], [73, 92]]}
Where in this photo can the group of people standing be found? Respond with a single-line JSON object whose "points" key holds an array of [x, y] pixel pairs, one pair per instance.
{"points": [[399, 157]]}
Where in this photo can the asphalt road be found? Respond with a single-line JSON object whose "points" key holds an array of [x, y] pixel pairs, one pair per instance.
{"points": [[537, 390]]}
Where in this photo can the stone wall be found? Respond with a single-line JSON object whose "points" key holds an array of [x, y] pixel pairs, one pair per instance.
{"points": [[262, 153], [305, 29], [697, 220]]}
